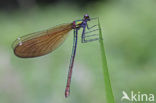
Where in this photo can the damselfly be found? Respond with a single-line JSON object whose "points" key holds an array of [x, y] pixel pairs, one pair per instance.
{"points": [[44, 42]]}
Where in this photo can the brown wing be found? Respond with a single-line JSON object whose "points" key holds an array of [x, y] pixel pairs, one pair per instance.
{"points": [[41, 43]]}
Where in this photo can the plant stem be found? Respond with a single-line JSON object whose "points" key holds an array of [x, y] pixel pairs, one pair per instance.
{"points": [[108, 89]]}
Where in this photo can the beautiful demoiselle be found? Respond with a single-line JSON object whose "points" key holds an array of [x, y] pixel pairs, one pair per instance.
{"points": [[44, 42]]}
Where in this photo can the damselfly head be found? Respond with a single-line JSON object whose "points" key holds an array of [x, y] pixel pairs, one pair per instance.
{"points": [[86, 17]]}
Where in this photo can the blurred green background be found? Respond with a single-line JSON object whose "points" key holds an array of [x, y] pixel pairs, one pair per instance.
{"points": [[129, 30]]}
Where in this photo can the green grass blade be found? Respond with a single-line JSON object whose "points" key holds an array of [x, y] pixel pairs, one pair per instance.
{"points": [[108, 89]]}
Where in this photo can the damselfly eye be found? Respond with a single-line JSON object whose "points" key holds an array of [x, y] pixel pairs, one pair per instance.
{"points": [[86, 16]]}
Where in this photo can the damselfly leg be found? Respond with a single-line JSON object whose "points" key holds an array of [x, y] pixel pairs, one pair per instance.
{"points": [[84, 36]]}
